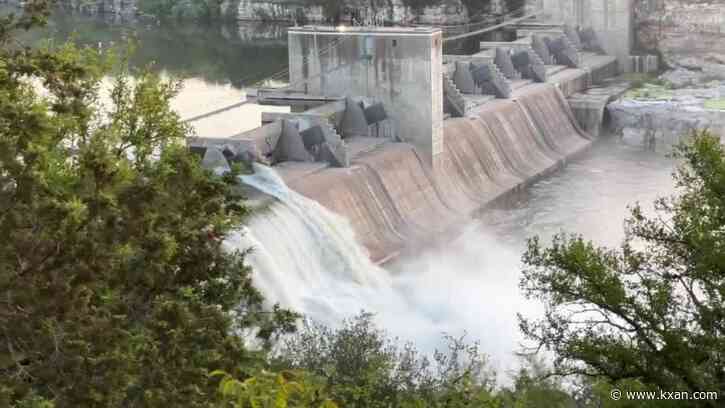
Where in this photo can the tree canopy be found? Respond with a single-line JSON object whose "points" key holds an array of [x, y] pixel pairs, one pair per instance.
{"points": [[114, 286], [652, 310]]}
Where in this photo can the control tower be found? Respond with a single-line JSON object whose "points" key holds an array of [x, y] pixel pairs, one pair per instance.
{"points": [[400, 67]]}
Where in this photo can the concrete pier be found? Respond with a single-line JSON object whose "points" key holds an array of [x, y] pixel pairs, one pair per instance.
{"points": [[399, 67], [611, 20]]}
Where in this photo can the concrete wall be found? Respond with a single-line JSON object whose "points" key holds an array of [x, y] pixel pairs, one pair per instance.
{"points": [[612, 20], [394, 203], [402, 68]]}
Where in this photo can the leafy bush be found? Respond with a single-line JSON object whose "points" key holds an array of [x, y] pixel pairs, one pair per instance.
{"points": [[116, 288], [365, 368], [266, 389], [652, 310]]}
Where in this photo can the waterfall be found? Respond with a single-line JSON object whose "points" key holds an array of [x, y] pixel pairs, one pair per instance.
{"points": [[306, 257]]}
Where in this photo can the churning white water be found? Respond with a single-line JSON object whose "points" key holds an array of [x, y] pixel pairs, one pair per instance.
{"points": [[306, 257]]}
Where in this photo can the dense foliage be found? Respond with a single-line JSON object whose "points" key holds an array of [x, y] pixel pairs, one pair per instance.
{"points": [[287, 388], [651, 311], [114, 288], [365, 368]]}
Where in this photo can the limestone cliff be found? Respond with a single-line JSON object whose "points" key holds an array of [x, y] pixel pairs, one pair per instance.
{"points": [[689, 34], [376, 11], [370, 11], [116, 7]]}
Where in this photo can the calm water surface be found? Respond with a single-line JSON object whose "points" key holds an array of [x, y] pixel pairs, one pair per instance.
{"points": [[218, 62]]}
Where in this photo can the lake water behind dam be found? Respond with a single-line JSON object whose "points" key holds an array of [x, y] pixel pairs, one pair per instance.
{"points": [[468, 284]]}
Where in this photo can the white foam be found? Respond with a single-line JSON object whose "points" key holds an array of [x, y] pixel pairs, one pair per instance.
{"points": [[306, 258]]}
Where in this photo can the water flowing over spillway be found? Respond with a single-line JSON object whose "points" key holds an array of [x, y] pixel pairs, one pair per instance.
{"points": [[304, 256], [329, 241], [314, 261], [468, 286], [307, 258], [311, 246], [393, 200]]}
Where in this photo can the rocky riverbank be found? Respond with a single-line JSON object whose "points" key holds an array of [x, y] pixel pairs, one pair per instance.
{"points": [[656, 116], [689, 37]]}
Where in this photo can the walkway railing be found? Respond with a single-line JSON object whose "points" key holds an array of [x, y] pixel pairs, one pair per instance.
{"points": [[494, 27]]}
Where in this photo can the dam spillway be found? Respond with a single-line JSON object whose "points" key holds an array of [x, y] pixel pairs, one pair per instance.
{"points": [[388, 197], [297, 243], [392, 199], [406, 143]]}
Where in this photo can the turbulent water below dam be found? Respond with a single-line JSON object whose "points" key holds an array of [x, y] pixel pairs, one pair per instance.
{"points": [[307, 258]]}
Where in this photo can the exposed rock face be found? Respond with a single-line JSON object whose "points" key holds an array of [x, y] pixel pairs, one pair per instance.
{"points": [[658, 123], [368, 11], [443, 12], [115, 7], [365, 11], [375, 11], [690, 34], [255, 31]]}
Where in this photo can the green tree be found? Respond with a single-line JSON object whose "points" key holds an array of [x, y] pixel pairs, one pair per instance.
{"points": [[293, 389], [651, 311], [114, 286], [363, 367], [533, 387]]}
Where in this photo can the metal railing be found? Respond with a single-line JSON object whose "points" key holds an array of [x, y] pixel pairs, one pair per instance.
{"points": [[496, 26]]}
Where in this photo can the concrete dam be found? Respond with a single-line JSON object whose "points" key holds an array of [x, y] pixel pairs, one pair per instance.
{"points": [[393, 199], [405, 143]]}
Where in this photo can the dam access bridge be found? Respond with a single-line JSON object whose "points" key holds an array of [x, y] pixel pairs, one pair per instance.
{"points": [[406, 142]]}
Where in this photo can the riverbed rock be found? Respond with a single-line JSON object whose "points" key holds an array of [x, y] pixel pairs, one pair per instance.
{"points": [[667, 119], [689, 35]]}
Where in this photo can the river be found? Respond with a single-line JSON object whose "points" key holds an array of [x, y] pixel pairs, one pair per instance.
{"points": [[470, 284], [217, 62]]}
